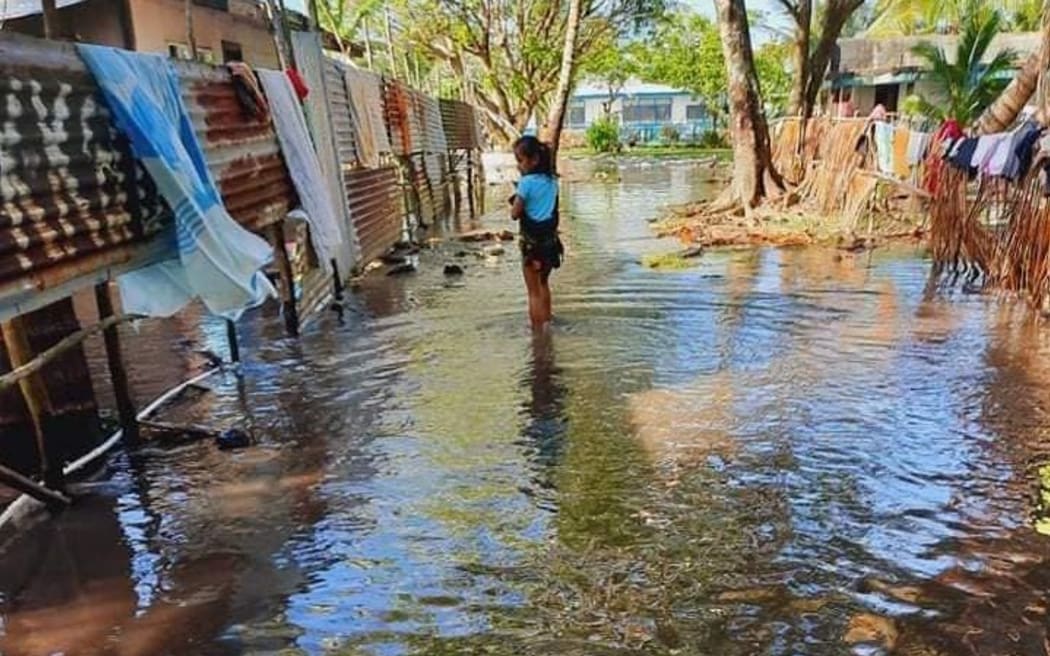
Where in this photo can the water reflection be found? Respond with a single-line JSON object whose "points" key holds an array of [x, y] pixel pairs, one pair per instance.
{"points": [[767, 453]]}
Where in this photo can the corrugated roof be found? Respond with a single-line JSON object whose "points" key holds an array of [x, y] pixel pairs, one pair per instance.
{"points": [[631, 88], [10, 9]]}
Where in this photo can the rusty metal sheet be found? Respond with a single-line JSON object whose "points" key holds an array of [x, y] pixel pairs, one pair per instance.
{"points": [[433, 127], [403, 112], [437, 170], [376, 208], [242, 151], [69, 189], [314, 284], [460, 125]]}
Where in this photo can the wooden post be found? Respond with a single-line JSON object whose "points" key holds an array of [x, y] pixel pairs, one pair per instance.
{"points": [[231, 340], [287, 281], [337, 280], [470, 182], [28, 486], [117, 373], [34, 392], [50, 18]]}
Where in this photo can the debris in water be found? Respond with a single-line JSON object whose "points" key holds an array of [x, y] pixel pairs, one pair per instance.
{"points": [[475, 236], [691, 252], [233, 438], [494, 250], [453, 270], [667, 261], [866, 628], [402, 269]]}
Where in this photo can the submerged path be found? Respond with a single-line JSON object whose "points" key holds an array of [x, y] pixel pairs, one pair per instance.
{"points": [[777, 451]]}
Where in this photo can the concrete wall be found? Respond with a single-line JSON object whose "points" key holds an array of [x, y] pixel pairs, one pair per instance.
{"points": [[94, 21], [159, 23], [594, 109]]}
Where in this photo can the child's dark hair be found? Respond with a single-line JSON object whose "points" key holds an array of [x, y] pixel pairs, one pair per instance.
{"points": [[532, 148]]}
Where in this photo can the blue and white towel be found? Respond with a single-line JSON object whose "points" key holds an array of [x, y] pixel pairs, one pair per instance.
{"points": [[214, 258]]}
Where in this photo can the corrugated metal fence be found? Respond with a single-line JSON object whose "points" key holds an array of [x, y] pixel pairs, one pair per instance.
{"points": [[77, 210]]}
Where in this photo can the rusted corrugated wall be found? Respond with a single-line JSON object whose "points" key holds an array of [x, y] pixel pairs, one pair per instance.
{"points": [[460, 125], [375, 199], [72, 199], [242, 150]]}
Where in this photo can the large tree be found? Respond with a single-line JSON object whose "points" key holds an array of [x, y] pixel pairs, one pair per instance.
{"points": [[753, 169], [508, 53], [556, 117], [816, 31]]}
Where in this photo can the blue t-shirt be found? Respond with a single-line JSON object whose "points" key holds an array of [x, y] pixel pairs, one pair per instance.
{"points": [[539, 193]]}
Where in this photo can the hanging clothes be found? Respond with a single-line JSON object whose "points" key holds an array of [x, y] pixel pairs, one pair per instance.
{"points": [[1024, 141], [366, 108], [987, 145], [884, 146], [1001, 156], [901, 166], [212, 257], [918, 142], [298, 83], [962, 155], [248, 91], [944, 136], [303, 165]]}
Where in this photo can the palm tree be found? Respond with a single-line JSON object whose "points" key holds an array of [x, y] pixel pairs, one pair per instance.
{"points": [[907, 17], [968, 84], [1011, 101]]}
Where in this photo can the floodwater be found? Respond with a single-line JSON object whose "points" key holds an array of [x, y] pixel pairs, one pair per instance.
{"points": [[774, 452]]}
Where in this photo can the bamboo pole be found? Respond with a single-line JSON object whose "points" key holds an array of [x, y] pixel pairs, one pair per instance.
{"points": [[117, 374], [470, 182], [365, 23], [287, 282], [231, 341], [30, 487], [34, 392], [191, 38]]}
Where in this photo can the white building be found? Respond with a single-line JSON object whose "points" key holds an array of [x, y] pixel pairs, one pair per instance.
{"points": [[646, 112]]}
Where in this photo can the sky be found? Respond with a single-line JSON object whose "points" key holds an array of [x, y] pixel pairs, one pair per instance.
{"points": [[768, 7]]}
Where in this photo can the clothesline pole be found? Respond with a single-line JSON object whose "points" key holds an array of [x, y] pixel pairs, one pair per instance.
{"points": [[231, 341], [286, 281], [470, 182]]}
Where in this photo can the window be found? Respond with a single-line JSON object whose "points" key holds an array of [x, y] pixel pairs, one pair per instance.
{"points": [[231, 51], [221, 5], [647, 110], [178, 51], [695, 112], [205, 55], [577, 115]]}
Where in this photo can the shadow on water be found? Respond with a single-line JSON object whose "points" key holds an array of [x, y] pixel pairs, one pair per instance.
{"points": [[775, 452]]}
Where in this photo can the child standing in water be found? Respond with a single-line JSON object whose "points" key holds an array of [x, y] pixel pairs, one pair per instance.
{"points": [[535, 206]]}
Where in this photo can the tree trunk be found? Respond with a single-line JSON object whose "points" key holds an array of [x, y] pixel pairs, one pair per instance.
{"points": [[752, 160], [556, 117], [50, 14], [836, 15], [803, 29], [1001, 113]]}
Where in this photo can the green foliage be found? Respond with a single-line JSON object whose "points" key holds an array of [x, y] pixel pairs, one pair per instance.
{"points": [[713, 139], [345, 19], [603, 136], [967, 85], [774, 80], [908, 17], [912, 106], [685, 52]]}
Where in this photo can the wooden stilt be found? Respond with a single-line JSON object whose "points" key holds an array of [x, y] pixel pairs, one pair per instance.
{"points": [[117, 373], [50, 12], [287, 281], [34, 392], [231, 341], [337, 281]]}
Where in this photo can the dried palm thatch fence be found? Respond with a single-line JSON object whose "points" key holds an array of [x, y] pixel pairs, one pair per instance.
{"points": [[835, 178]]}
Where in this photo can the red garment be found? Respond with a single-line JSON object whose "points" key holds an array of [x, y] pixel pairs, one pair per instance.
{"points": [[298, 84], [949, 131]]}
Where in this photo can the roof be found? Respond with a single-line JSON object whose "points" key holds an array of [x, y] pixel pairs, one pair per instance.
{"points": [[595, 89], [869, 56], [10, 9]]}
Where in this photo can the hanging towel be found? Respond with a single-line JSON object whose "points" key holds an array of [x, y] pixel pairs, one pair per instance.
{"points": [[366, 109], [918, 142], [884, 146], [962, 155], [303, 165], [1001, 156], [248, 92], [986, 146], [213, 257], [1023, 144], [901, 136]]}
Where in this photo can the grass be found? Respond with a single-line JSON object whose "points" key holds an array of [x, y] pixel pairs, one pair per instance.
{"points": [[668, 262]]}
